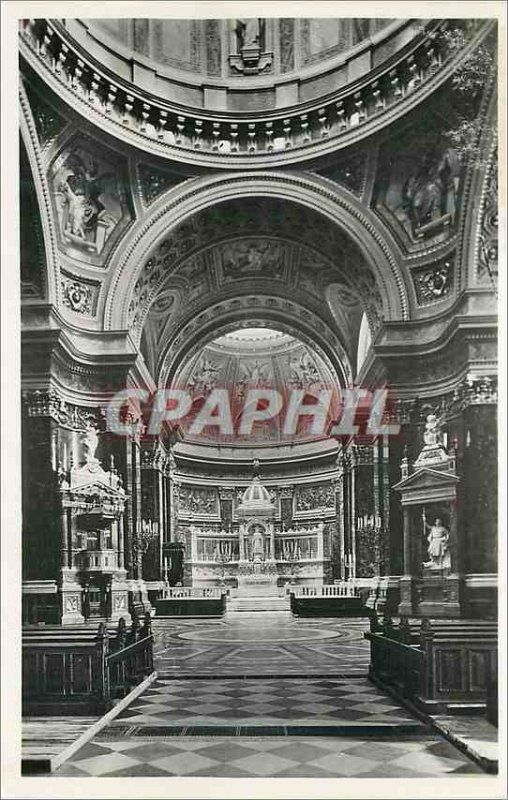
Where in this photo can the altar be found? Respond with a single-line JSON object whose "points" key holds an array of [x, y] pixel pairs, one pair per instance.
{"points": [[260, 556]]}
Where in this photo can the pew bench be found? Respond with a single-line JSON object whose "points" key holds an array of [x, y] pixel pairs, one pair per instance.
{"points": [[442, 667]]}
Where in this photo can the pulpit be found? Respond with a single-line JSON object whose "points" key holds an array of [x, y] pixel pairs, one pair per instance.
{"points": [[432, 582], [93, 577]]}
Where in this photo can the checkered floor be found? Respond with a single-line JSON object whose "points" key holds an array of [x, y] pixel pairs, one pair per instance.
{"points": [[283, 701], [261, 707], [274, 757]]}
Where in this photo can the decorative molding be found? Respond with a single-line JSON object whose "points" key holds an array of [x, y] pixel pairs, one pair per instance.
{"points": [[434, 282], [80, 295], [474, 390], [49, 403], [31, 140], [48, 122], [488, 236], [153, 182]]}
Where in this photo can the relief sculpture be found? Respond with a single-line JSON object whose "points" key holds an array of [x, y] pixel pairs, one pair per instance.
{"points": [[309, 498], [90, 201], [197, 500]]}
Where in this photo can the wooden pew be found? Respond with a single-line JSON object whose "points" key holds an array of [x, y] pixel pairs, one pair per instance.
{"points": [[443, 666], [83, 671]]}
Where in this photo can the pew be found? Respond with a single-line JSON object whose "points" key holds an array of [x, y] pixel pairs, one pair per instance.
{"points": [[82, 671], [442, 666]]}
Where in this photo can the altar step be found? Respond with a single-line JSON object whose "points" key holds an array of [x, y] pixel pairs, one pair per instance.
{"points": [[270, 603]]}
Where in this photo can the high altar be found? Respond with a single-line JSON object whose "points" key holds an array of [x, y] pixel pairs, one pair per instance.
{"points": [[258, 557]]}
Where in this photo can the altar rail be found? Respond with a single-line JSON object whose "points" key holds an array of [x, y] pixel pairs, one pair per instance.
{"points": [[337, 600], [82, 670], [333, 590], [441, 666], [179, 592]]}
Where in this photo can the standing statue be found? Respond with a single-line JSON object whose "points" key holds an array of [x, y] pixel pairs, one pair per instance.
{"points": [[438, 538], [91, 443], [258, 545], [432, 435], [248, 33]]}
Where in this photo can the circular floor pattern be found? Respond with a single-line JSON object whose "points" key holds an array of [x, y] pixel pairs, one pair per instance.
{"points": [[238, 633]]}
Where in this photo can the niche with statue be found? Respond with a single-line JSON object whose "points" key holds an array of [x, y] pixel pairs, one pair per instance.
{"points": [[431, 584]]}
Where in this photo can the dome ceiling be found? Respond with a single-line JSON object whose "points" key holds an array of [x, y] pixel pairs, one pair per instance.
{"points": [[233, 51], [261, 358]]}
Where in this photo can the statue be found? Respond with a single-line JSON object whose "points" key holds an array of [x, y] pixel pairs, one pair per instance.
{"points": [[82, 189], [437, 538], [430, 192], [258, 546], [432, 436], [248, 33], [91, 443]]}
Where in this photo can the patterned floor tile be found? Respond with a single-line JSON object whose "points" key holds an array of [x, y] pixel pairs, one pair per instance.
{"points": [[264, 764], [283, 699], [105, 764], [183, 763], [343, 764]]}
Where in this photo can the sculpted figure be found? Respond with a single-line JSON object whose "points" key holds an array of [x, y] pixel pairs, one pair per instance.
{"points": [[248, 32], [437, 539]]}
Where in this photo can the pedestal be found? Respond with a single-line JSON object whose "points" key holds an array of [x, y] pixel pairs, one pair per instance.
{"points": [[70, 595], [440, 595], [408, 596], [120, 597], [139, 602]]}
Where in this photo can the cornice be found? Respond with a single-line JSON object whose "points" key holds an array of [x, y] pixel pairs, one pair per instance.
{"points": [[237, 141]]}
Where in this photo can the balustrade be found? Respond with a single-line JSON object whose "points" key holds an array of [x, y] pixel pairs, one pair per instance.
{"points": [[334, 590], [427, 54]]}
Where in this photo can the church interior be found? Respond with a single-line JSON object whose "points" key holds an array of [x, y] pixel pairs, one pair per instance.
{"points": [[224, 223]]}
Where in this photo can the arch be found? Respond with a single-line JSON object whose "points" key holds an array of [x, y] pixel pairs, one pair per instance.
{"points": [[284, 315], [364, 343], [32, 147], [333, 202]]}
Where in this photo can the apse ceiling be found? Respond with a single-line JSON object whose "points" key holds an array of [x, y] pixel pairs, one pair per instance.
{"points": [[247, 358]]}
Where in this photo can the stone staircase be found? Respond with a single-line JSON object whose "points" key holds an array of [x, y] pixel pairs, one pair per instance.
{"points": [[258, 603]]}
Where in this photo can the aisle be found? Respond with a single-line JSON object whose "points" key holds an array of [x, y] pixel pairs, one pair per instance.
{"points": [[249, 715]]}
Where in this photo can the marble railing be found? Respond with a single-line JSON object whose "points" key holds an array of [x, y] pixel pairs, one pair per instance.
{"points": [[336, 590], [181, 592], [355, 110]]}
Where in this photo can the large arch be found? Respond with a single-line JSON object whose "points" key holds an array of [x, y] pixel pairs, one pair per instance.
{"points": [[37, 166], [284, 315], [338, 206]]}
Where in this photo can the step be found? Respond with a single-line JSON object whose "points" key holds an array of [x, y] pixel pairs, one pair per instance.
{"points": [[258, 604]]}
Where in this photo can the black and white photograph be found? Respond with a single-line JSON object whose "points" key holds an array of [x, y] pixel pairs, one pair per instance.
{"points": [[251, 447]]}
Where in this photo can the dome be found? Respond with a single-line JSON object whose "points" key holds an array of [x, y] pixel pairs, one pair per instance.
{"points": [[256, 493], [256, 498]]}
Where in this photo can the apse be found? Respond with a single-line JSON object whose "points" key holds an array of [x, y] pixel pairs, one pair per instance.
{"points": [[259, 365]]}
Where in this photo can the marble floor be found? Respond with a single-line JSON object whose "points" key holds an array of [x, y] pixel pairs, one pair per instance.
{"points": [[265, 695], [261, 643]]}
